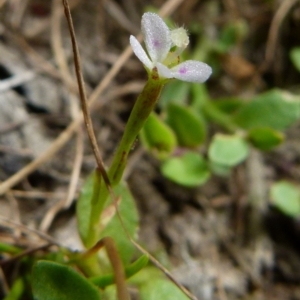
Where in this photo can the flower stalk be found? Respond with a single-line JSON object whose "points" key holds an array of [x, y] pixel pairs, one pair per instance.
{"points": [[162, 63], [139, 114]]}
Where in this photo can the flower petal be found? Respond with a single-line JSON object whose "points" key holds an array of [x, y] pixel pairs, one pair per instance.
{"points": [[157, 37], [140, 52], [192, 71], [164, 71]]}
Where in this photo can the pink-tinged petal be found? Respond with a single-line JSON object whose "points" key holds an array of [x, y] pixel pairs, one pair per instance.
{"points": [[157, 37], [192, 71], [140, 52], [163, 71]]}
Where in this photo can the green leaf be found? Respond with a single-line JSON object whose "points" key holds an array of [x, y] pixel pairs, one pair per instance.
{"points": [[228, 150], [52, 281], [4, 247], [231, 34], [189, 126], [105, 280], [158, 137], [174, 92], [189, 170], [161, 288], [84, 208], [229, 105], [275, 109], [114, 228], [16, 291], [219, 169], [295, 57], [199, 96], [265, 138], [286, 197]]}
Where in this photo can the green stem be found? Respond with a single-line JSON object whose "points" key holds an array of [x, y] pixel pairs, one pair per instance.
{"points": [[139, 114]]}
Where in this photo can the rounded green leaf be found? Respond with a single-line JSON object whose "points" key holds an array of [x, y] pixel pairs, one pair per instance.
{"points": [[189, 126], [265, 138], [220, 170], [295, 57], [275, 109], [228, 150], [53, 281], [286, 197], [161, 288], [158, 137], [189, 170]]}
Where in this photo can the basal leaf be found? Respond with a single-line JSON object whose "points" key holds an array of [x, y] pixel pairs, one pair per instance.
{"points": [[161, 288], [188, 125], [114, 229], [189, 169], [52, 281], [158, 137], [85, 209], [286, 197], [276, 109], [265, 138], [228, 150]]}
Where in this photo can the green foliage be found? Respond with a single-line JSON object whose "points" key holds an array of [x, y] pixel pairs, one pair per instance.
{"points": [[129, 215], [16, 291], [189, 170], [152, 284], [106, 280], [85, 212], [229, 105], [189, 126], [231, 34], [52, 281], [158, 288], [265, 138], [228, 150], [295, 57], [127, 211], [158, 137], [4, 247], [174, 92], [286, 197], [276, 109]]}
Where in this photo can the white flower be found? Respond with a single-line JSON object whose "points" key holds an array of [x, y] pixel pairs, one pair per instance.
{"points": [[164, 47]]}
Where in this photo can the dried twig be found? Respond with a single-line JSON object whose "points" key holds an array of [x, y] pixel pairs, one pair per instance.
{"points": [[66, 201], [26, 229], [83, 98], [56, 42], [277, 21]]}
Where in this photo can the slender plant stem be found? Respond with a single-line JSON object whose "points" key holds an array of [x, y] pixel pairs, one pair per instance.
{"points": [[139, 114]]}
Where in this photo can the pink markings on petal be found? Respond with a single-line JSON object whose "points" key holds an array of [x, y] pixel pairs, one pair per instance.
{"points": [[156, 43], [183, 70]]}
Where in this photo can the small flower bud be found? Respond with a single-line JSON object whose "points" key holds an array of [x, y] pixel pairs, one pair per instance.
{"points": [[180, 37]]}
